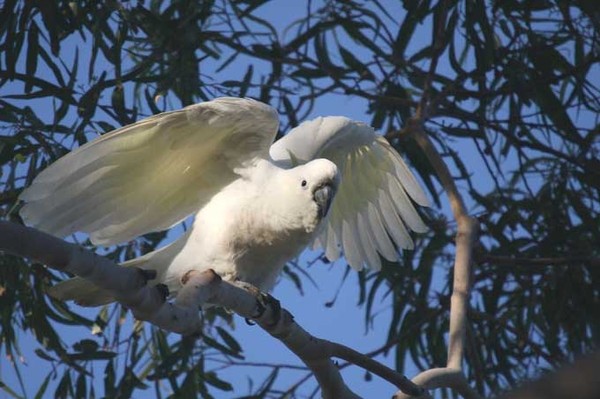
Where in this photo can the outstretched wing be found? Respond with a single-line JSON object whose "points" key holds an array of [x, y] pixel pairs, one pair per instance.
{"points": [[372, 212], [152, 174]]}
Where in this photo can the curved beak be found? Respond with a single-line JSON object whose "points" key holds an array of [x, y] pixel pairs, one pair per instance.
{"points": [[323, 196]]}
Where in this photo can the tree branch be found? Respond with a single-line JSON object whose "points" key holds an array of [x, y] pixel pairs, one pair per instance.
{"points": [[354, 357], [445, 377], [539, 262], [126, 284], [452, 375], [129, 287]]}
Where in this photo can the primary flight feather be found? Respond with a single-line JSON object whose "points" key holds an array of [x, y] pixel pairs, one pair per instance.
{"points": [[331, 181]]}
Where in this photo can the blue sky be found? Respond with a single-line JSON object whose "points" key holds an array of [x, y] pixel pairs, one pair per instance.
{"points": [[344, 322]]}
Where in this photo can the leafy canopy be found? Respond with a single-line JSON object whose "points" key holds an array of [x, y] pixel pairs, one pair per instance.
{"points": [[512, 89]]}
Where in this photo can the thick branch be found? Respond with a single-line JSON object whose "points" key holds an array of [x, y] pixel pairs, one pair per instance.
{"points": [[314, 352], [443, 378], [128, 285]]}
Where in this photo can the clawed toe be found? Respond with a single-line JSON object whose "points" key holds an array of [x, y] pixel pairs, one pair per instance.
{"points": [[147, 274], [249, 287], [265, 301], [163, 290]]}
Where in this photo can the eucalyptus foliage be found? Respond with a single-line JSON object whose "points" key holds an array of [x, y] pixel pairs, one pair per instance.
{"points": [[513, 94]]}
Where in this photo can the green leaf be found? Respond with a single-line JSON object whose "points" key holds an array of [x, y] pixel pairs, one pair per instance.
{"points": [[551, 106], [81, 387], [353, 30], [229, 340], [321, 51], [42, 390], [405, 33], [267, 384], [32, 55], [118, 104], [309, 73], [355, 65], [425, 52], [245, 84], [64, 389], [109, 380], [85, 356], [9, 391], [220, 347], [86, 346], [43, 355], [212, 379]]}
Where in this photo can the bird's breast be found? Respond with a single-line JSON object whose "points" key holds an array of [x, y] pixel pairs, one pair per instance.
{"points": [[242, 241], [262, 251]]}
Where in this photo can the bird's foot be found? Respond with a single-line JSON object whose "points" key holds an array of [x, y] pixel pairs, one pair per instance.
{"points": [[266, 301], [163, 290], [146, 274], [247, 286]]}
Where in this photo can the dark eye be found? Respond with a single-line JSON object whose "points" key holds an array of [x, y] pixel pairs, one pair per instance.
{"points": [[304, 183]]}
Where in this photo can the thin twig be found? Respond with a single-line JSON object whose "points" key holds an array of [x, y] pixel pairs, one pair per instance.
{"points": [[558, 261], [354, 357]]}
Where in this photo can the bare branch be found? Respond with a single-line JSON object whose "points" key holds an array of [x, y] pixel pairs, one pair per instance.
{"points": [[467, 231], [443, 378], [126, 284], [129, 287], [354, 357], [452, 376], [465, 240]]}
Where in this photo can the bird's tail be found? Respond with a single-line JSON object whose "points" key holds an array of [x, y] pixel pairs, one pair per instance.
{"points": [[86, 293]]}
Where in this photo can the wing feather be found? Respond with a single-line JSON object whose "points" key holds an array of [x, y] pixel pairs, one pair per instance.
{"points": [[404, 207], [404, 174], [152, 174], [366, 240], [352, 251], [384, 244], [393, 224], [373, 209], [332, 244]]}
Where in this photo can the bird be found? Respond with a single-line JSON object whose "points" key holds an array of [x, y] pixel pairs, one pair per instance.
{"points": [[330, 182]]}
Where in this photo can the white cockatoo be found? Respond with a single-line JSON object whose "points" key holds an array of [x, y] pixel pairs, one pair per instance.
{"points": [[257, 204]]}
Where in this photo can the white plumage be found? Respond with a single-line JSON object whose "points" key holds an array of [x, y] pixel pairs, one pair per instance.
{"points": [[257, 204]]}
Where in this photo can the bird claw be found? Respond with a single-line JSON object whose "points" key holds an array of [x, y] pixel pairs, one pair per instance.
{"points": [[147, 274], [163, 290], [265, 301], [249, 287]]}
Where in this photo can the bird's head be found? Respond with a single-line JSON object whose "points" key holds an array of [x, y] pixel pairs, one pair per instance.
{"points": [[305, 194]]}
